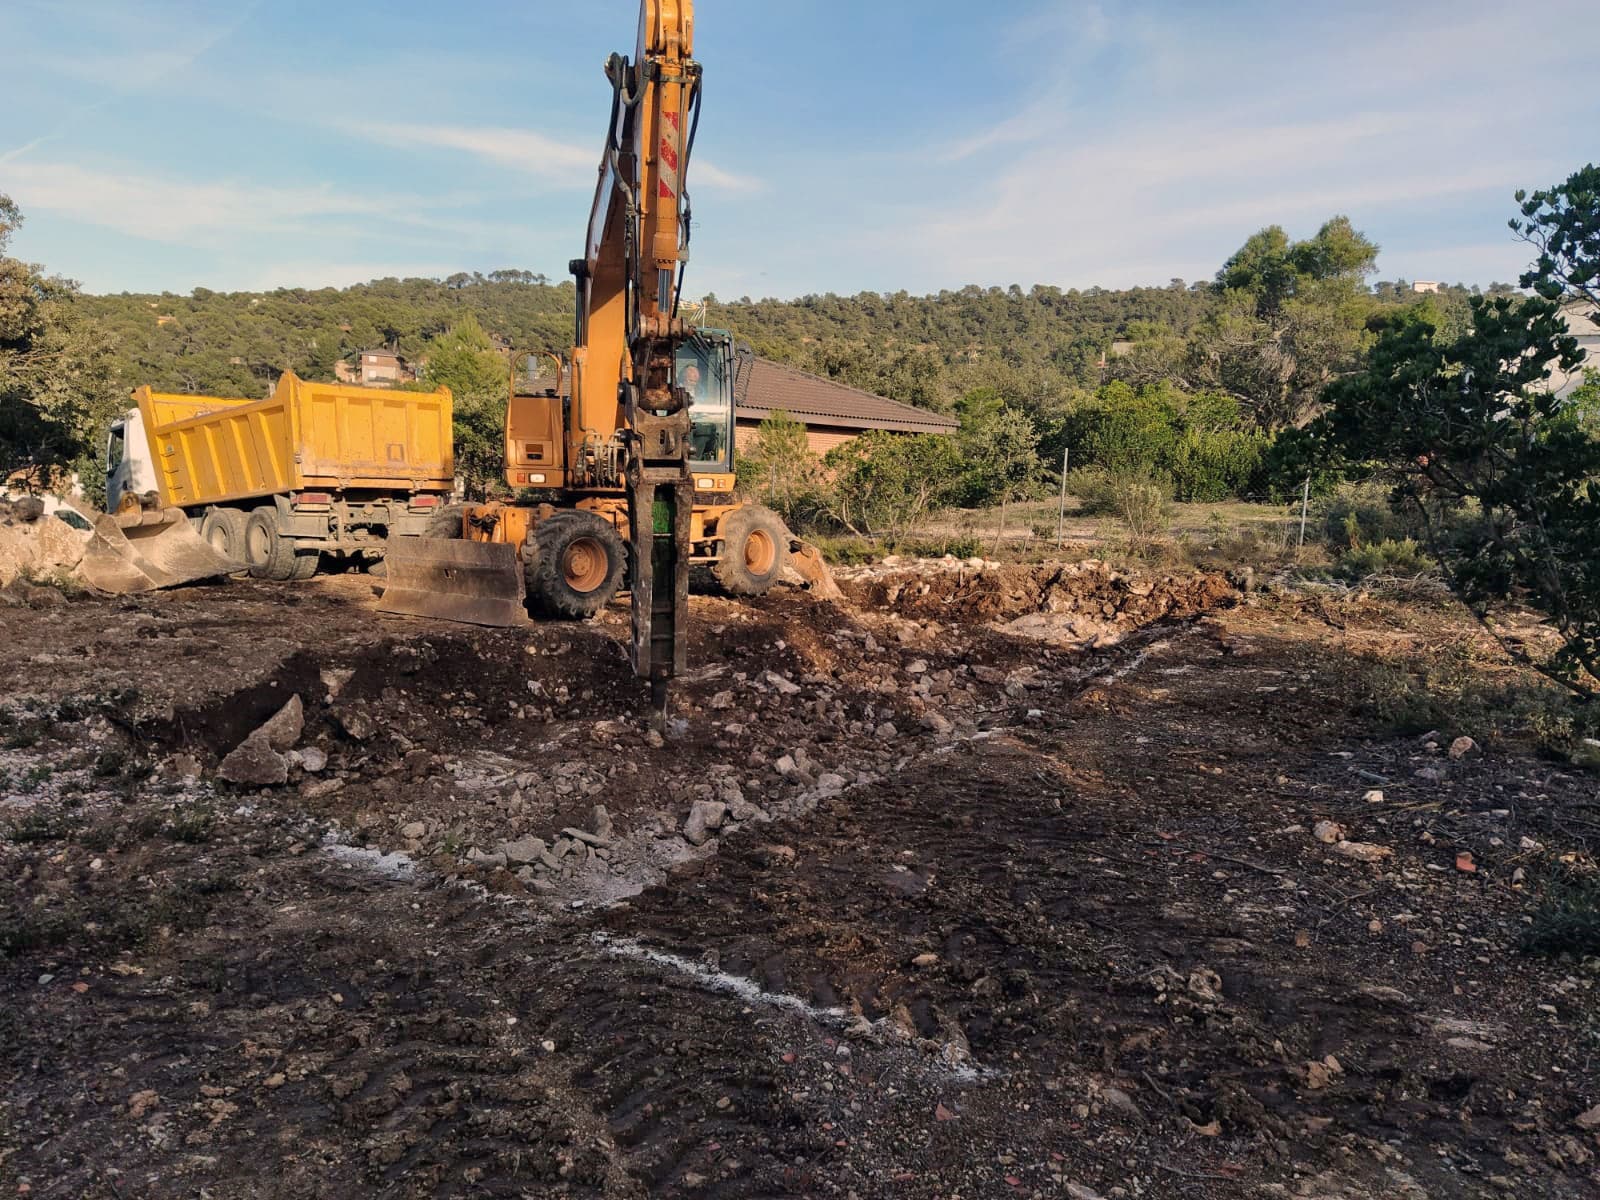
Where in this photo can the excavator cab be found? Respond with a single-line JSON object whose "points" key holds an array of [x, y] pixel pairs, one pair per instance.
{"points": [[705, 371]]}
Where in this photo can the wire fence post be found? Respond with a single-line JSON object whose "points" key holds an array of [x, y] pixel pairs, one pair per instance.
{"points": [[1305, 504], [1061, 512]]}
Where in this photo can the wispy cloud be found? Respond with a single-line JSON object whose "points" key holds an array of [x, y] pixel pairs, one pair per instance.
{"points": [[711, 175], [1241, 132], [217, 214], [558, 163], [117, 52]]}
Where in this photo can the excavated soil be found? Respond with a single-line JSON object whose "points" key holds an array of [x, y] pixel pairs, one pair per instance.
{"points": [[1013, 891]]}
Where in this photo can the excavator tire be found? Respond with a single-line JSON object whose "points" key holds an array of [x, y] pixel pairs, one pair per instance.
{"points": [[578, 567], [755, 549], [270, 555], [448, 522], [223, 530]]}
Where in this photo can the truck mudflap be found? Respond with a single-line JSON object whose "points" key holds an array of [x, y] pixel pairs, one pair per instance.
{"points": [[480, 583], [140, 551]]}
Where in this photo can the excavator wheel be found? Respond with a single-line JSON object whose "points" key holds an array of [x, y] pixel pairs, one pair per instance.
{"points": [[448, 522], [270, 555], [578, 567], [223, 531], [755, 549]]}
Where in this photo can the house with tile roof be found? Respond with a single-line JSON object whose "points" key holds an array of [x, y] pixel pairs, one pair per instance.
{"points": [[833, 413]]}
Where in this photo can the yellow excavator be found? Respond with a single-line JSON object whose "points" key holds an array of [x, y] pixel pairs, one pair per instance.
{"points": [[624, 466]]}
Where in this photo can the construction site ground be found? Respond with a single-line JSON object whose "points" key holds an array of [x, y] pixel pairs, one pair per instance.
{"points": [[998, 882]]}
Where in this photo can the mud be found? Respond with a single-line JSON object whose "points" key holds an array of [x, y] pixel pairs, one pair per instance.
{"points": [[991, 911]]}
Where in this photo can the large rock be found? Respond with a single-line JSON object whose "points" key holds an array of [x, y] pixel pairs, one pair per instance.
{"points": [[282, 730], [354, 721], [524, 851], [254, 763], [46, 546], [704, 817]]}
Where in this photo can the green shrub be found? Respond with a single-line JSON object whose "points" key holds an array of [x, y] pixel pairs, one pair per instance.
{"points": [[1142, 505], [958, 545], [1567, 920], [885, 484], [1139, 499], [1200, 445], [1403, 557], [1353, 514], [847, 551]]}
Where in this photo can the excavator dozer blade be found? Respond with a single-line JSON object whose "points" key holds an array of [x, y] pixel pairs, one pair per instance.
{"points": [[478, 583], [809, 564], [150, 550]]}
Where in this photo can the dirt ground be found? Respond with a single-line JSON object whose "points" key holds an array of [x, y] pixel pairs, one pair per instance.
{"points": [[994, 882]]}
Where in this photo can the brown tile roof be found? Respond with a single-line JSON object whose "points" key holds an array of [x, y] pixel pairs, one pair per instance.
{"points": [[763, 387]]}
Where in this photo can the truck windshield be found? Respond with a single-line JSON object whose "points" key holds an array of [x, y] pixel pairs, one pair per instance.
{"points": [[703, 373]]}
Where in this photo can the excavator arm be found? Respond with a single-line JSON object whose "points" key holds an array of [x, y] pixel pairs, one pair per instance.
{"points": [[628, 328], [627, 430]]}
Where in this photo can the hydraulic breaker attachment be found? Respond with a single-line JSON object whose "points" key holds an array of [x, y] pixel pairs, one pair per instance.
{"points": [[660, 504], [480, 583], [141, 550]]}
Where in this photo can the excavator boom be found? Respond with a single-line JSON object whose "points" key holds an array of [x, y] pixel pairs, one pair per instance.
{"points": [[625, 434]]}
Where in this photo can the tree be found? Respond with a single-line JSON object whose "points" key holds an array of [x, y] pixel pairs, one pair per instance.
{"points": [[1502, 472], [1001, 448], [1156, 353], [885, 483], [56, 395], [1291, 318], [465, 361], [779, 468], [1563, 224]]}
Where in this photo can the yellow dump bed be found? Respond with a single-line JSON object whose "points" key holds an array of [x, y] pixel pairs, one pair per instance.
{"points": [[305, 437]]}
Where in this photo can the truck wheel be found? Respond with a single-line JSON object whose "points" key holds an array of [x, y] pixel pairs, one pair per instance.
{"points": [[447, 522], [305, 565], [755, 549], [270, 555], [578, 567], [223, 530]]}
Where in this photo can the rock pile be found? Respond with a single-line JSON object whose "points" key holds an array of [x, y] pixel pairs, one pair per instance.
{"points": [[35, 543]]}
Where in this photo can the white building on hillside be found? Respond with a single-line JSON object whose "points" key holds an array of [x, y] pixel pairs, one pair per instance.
{"points": [[1581, 324]]}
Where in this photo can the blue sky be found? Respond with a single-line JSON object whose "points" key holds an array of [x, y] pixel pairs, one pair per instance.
{"points": [[846, 145]]}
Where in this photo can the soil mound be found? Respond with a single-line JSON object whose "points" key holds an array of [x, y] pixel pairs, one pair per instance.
{"points": [[1093, 589]]}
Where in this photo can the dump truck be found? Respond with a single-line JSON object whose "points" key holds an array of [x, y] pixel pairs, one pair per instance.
{"points": [[198, 486], [625, 466]]}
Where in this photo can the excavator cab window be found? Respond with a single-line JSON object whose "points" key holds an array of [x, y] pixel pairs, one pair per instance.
{"points": [[705, 372]]}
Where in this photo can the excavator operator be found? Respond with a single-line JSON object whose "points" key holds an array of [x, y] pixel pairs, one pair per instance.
{"points": [[708, 412]]}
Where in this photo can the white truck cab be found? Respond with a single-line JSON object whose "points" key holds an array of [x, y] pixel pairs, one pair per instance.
{"points": [[129, 469]]}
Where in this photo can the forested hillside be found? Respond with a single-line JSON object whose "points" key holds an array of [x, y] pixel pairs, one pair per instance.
{"points": [[1188, 385], [1032, 346]]}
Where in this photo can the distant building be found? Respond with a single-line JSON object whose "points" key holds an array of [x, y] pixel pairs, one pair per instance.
{"points": [[1424, 285], [1581, 324], [833, 413], [375, 368]]}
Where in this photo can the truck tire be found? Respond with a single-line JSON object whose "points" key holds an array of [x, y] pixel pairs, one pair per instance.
{"points": [[755, 549], [578, 566], [446, 523], [270, 555], [305, 565], [223, 530]]}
